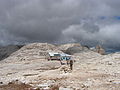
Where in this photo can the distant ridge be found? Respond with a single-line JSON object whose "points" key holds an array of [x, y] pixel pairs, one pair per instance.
{"points": [[6, 51]]}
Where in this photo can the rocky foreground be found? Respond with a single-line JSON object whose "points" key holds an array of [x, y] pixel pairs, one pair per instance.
{"points": [[30, 68]]}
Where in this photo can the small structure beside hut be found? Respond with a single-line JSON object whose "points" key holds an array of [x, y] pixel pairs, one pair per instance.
{"points": [[65, 56]]}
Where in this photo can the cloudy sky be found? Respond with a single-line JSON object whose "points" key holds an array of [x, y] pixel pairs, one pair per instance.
{"points": [[89, 22]]}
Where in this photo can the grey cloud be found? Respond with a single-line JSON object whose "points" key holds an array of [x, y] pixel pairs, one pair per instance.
{"points": [[108, 35], [59, 21]]}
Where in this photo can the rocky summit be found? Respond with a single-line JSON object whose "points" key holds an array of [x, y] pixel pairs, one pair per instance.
{"points": [[28, 68]]}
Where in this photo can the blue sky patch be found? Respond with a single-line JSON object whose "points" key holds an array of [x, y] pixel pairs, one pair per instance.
{"points": [[117, 17]]}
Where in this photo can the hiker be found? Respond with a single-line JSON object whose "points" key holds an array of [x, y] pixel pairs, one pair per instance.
{"points": [[71, 64]]}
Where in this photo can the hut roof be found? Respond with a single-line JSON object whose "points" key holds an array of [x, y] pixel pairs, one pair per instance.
{"points": [[59, 54], [53, 53]]}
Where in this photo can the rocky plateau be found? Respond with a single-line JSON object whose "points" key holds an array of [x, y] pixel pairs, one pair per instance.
{"points": [[29, 65]]}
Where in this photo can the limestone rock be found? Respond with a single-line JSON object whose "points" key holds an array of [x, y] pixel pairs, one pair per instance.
{"points": [[33, 51], [100, 50]]}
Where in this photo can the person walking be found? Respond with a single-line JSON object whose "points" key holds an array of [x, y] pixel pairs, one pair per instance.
{"points": [[71, 64]]}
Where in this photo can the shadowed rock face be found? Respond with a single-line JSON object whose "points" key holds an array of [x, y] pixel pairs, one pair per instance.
{"points": [[8, 50], [72, 48], [76, 49]]}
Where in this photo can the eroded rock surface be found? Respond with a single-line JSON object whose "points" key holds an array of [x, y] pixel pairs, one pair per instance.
{"points": [[91, 71]]}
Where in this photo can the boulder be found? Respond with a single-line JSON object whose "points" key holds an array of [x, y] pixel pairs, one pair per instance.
{"points": [[100, 50]]}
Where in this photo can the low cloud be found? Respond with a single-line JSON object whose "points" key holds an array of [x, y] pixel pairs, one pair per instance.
{"points": [[107, 35]]}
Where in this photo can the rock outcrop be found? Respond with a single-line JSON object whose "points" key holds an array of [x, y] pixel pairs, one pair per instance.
{"points": [[33, 51], [72, 48], [100, 50], [76, 49]]}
